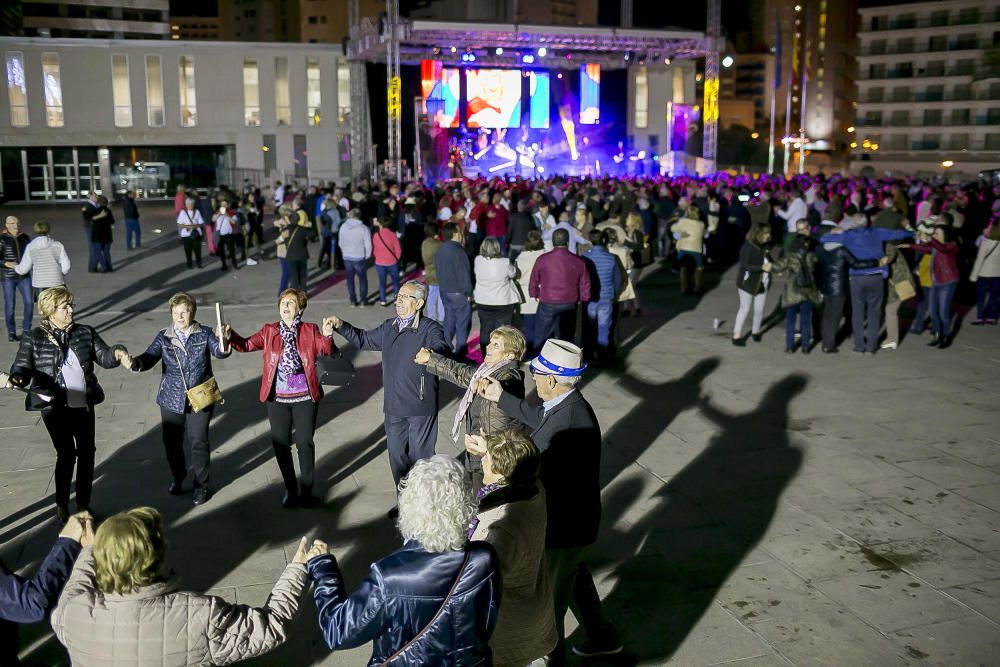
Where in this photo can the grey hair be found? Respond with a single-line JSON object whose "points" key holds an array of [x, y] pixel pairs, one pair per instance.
{"points": [[435, 504], [419, 289], [490, 248], [568, 380], [189, 200]]}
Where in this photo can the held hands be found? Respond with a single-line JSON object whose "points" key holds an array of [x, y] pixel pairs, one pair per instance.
{"points": [[226, 332], [123, 358], [490, 389], [304, 555], [423, 356], [330, 324], [10, 265], [5, 382], [79, 528], [883, 261]]}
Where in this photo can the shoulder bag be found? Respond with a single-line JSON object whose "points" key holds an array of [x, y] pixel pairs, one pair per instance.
{"points": [[334, 371], [202, 396], [444, 603]]}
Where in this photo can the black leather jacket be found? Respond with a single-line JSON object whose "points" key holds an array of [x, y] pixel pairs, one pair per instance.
{"points": [[40, 357], [400, 596], [195, 357], [12, 250]]}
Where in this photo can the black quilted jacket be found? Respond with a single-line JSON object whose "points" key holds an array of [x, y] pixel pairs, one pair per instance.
{"points": [[39, 362]]}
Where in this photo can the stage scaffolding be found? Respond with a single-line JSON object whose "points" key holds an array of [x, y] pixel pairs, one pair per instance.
{"points": [[397, 41]]}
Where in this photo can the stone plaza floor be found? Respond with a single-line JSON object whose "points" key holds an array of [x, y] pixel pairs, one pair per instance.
{"points": [[759, 508]]}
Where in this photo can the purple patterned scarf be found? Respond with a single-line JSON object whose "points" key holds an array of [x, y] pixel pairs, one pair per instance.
{"points": [[291, 363]]}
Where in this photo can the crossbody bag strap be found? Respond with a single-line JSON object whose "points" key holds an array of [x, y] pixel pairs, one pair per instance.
{"points": [[440, 610], [386, 245], [180, 368]]}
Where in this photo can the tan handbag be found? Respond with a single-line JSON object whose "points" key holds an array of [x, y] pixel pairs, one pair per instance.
{"points": [[202, 396], [904, 290]]}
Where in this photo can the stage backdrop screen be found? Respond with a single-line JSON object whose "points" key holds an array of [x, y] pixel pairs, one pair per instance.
{"points": [[538, 87], [493, 98], [590, 94], [452, 94]]}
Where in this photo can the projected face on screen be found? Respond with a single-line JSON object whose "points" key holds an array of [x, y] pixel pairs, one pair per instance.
{"points": [[494, 98], [440, 87], [590, 94]]}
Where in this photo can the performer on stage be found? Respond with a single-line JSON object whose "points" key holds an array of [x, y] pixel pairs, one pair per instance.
{"points": [[290, 387], [184, 351]]}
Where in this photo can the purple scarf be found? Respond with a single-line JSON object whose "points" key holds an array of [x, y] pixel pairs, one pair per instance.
{"points": [[290, 363]]}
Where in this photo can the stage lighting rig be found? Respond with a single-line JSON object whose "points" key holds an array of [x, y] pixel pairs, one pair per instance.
{"points": [[499, 51], [542, 51]]}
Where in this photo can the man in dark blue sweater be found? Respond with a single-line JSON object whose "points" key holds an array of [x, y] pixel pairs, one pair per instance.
{"points": [[455, 282], [606, 281], [867, 283]]}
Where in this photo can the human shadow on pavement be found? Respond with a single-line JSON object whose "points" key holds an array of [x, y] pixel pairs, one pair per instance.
{"points": [[700, 525]]}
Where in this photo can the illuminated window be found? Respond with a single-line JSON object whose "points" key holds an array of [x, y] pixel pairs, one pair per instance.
{"points": [[343, 92], [17, 90], [189, 103], [154, 92], [120, 90], [282, 98], [641, 98], [251, 93], [53, 90], [313, 96]]}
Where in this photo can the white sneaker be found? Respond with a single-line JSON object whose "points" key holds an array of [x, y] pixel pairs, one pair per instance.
{"points": [[251, 262], [889, 346]]}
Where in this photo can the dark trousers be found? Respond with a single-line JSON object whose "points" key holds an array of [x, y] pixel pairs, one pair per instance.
{"points": [[457, 322], [408, 440], [227, 246], [133, 233], [192, 427], [327, 249], [100, 257], [867, 297], [254, 236], [490, 318], [94, 256], [192, 250], [804, 311], [987, 297], [294, 422], [528, 329], [555, 320], [22, 286], [298, 273], [573, 589], [356, 269], [72, 434], [285, 276], [833, 310]]}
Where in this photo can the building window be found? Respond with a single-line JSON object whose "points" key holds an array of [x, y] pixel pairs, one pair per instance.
{"points": [[343, 92], [251, 93], [53, 90], [120, 90], [282, 98], [154, 92], [641, 98], [17, 89], [313, 95], [189, 102]]}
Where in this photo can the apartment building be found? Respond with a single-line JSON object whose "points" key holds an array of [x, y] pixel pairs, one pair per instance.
{"points": [[928, 88], [115, 19]]}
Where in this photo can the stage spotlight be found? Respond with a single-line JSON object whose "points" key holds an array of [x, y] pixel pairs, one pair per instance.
{"points": [[527, 59], [727, 61], [542, 51], [559, 75], [454, 49], [499, 51], [666, 61]]}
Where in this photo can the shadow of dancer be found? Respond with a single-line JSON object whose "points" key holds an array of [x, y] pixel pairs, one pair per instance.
{"points": [[704, 523]]}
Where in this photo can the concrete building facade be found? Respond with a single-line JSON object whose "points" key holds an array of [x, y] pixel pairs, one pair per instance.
{"points": [[114, 19]]}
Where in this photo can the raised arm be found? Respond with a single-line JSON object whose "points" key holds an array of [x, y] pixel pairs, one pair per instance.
{"points": [[29, 600], [518, 408], [453, 371], [365, 340], [151, 357], [107, 355], [346, 621], [251, 344]]}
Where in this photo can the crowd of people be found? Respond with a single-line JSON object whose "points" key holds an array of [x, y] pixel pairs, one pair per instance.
{"points": [[494, 544]]}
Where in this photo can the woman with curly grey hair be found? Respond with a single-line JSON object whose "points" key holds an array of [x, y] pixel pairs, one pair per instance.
{"points": [[434, 601]]}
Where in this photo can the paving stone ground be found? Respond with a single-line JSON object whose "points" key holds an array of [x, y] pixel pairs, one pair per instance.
{"points": [[759, 508]]}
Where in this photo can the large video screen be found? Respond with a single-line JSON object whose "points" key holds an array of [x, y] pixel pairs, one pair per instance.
{"points": [[440, 88], [538, 95], [590, 94], [493, 98], [450, 89]]}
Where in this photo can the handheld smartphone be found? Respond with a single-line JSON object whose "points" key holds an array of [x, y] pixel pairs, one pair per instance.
{"points": [[743, 198]]}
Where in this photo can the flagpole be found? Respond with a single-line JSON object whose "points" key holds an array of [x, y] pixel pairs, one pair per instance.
{"points": [[770, 148], [805, 82], [788, 120], [776, 73]]}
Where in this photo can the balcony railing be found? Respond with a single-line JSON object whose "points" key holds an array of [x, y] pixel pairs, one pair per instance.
{"points": [[927, 47], [910, 24], [944, 123], [984, 96]]}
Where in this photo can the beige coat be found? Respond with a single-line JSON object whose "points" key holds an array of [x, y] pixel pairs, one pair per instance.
{"points": [[622, 252], [526, 627], [695, 239], [158, 626]]}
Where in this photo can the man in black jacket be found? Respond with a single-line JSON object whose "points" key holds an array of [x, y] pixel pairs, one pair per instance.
{"points": [[130, 211], [567, 434], [517, 229], [13, 243], [411, 393], [455, 282]]}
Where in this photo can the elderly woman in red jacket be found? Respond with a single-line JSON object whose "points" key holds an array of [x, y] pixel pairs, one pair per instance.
{"points": [[290, 387], [944, 280]]}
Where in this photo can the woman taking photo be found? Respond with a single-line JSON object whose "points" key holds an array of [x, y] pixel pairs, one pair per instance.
{"points": [[433, 601], [55, 361], [290, 387], [184, 351], [752, 282], [944, 279], [495, 292], [121, 608]]}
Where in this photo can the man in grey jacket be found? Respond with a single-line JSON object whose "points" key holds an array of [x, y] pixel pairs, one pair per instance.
{"points": [[355, 241]]}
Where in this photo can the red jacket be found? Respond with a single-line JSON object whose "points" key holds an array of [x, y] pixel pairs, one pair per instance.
{"points": [[311, 343], [944, 262], [559, 276], [385, 247]]}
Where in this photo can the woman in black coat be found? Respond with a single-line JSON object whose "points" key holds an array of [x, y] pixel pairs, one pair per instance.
{"points": [[101, 234], [184, 351], [55, 361], [295, 238], [752, 282]]}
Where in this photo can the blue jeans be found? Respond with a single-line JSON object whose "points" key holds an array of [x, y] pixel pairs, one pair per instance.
{"points": [[555, 320], [528, 329], [384, 273], [940, 307], [867, 297], [327, 249], [457, 322], [804, 309], [100, 256], [132, 230], [987, 298], [10, 290], [600, 313], [286, 276], [435, 306], [359, 268]]}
